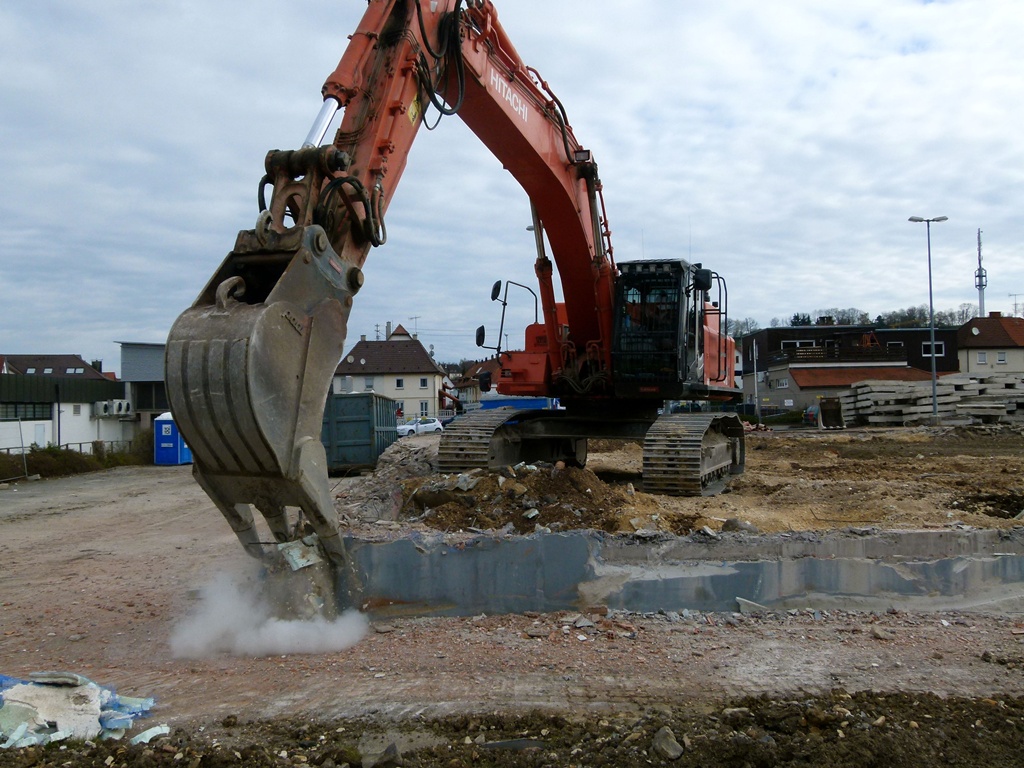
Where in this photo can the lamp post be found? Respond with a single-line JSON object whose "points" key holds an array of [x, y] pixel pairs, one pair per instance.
{"points": [[931, 311]]}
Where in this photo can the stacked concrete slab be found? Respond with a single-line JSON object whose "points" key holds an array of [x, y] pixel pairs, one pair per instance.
{"points": [[986, 399]]}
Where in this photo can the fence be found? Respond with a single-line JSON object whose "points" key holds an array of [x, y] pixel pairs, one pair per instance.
{"points": [[90, 446]]}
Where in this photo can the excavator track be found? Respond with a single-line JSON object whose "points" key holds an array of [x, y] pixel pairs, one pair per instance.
{"points": [[467, 441], [692, 454], [684, 454]]}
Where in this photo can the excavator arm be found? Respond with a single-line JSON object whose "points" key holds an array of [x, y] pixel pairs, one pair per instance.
{"points": [[249, 365]]}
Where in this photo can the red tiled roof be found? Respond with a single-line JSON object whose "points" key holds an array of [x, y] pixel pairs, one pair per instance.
{"points": [[471, 376], [992, 332], [815, 378]]}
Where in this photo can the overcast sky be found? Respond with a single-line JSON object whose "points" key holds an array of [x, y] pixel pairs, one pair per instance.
{"points": [[784, 145]]}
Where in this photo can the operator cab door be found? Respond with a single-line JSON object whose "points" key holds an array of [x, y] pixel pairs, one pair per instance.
{"points": [[654, 341]]}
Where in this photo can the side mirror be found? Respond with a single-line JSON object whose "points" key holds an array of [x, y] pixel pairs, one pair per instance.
{"points": [[702, 280], [480, 336], [485, 381], [495, 290]]}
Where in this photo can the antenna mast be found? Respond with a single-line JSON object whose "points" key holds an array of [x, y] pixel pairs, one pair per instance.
{"points": [[980, 281]]}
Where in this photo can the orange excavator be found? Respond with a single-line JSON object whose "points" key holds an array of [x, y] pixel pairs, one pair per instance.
{"points": [[249, 365]]}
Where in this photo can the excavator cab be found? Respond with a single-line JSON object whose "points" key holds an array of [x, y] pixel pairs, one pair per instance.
{"points": [[662, 328]]}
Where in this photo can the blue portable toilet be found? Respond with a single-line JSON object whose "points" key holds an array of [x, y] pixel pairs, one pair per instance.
{"points": [[168, 445]]}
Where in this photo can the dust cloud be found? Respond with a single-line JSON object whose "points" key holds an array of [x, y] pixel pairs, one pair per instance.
{"points": [[233, 617]]}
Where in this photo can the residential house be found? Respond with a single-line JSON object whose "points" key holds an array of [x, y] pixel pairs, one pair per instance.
{"points": [[398, 367], [467, 385], [790, 368], [993, 344], [60, 400]]}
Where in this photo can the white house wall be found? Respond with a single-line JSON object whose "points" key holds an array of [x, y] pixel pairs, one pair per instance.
{"points": [[969, 361], [410, 395], [77, 431]]}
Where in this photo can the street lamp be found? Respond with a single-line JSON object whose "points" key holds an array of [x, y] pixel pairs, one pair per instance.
{"points": [[931, 311]]}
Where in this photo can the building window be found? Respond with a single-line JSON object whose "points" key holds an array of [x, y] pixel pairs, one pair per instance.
{"points": [[1000, 358], [75, 370], [400, 409], [47, 370], [796, 344], [983, 358], [423, 382], [424, 407], [782, 384], [76, 409], [149, 396], [368, 383], [25, 411], [926, 349], [893, 345], [399, 383], [30, 370]]}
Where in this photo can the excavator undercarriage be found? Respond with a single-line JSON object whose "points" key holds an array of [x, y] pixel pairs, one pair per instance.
{"points": [[690, 454]]}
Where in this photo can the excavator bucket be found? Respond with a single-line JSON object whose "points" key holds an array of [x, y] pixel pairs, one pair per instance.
{"points": [[249, 367], [830, 414]]}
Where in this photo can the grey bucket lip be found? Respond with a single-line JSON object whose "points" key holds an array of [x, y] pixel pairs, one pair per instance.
{"points": [[438, 574]]}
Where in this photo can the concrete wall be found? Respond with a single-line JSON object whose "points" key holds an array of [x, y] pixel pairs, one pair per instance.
{"points": [[442, 575]]}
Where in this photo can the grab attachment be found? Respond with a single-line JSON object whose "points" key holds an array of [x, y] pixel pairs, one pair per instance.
{"points": [[249, 368]]}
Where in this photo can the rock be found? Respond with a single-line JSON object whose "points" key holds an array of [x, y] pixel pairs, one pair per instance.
{"points": [[467, 482], [665, 744], [882, 634], [736, 715], [735, 524], [748, 607], [515, 490]]}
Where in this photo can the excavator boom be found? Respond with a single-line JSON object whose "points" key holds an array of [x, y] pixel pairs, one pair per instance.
{"points": [[249, 365]]}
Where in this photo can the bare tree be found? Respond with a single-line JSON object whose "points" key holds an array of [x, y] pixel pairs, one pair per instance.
{"points": [[849, 316], [743, 327]]}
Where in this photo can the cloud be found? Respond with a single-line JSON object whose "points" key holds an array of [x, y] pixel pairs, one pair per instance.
{"points": [[783, 146]]}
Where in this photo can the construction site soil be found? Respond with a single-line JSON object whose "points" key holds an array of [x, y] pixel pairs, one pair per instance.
{"points": [[97, 572]]}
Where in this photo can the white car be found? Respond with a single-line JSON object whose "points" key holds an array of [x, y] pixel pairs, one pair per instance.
{"points": [[420, 427]]}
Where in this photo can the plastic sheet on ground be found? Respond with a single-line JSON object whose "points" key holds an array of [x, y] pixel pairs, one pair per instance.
{"points": [[51, 706]]}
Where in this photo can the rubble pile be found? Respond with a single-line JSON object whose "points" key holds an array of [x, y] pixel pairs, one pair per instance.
{"points": [[523, 499], [528, 498], [380, 496]]}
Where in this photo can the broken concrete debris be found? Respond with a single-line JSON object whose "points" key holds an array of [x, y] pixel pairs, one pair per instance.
{"points": [[52, 706]]}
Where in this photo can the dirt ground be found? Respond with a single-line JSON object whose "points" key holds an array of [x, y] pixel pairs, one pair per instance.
{"points": [[98, 571]]}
